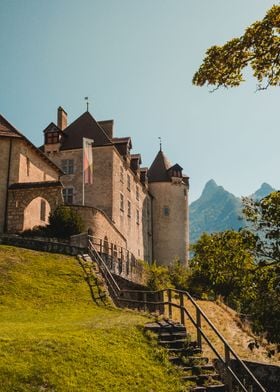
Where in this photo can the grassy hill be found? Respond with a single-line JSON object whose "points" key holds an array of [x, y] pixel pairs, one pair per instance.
{"points": [[54, 337]]}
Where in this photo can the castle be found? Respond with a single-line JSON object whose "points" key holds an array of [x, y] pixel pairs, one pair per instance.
{"points": [[143, 210]]}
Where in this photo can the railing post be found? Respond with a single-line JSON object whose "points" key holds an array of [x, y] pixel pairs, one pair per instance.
{"points": [[145, 301], [100, 246], [228, 374], [182, 308], [169, 296], [198, 326], [159, 299]]}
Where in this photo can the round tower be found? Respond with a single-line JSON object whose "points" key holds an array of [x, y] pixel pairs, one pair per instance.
{"points": [[170, 219]]}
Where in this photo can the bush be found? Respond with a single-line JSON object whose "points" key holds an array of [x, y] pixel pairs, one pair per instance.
{"points": [[179, 275], [37, 231], [64, 222], [158, 277]]}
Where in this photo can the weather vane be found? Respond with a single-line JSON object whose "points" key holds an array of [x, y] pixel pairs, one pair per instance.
{"points": [[160, 143], [86, 99]]}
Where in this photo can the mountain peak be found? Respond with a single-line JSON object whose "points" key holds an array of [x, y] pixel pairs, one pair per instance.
{"points": [[210, 184], [210, 189], [264, 190]]}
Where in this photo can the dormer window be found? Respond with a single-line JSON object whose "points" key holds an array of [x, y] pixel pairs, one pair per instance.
{"points": [[175, 171], [51, 138]]}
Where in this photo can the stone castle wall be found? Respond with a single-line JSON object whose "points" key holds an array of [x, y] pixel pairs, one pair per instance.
{"points": [[170, 221], [19, 200], [133, 225], [98, 194], [4, 165], [100, 225], [105, 191], [26, 165]]}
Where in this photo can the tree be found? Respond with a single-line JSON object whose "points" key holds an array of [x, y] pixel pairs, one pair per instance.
{"points": [[223, 263], [264, 216], [64, 222], [158, 277], [263, 303], [258, 47]]}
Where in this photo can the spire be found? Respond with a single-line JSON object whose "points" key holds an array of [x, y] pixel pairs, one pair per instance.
{"points": [[160, 143], [87, 102], [159, 168]]}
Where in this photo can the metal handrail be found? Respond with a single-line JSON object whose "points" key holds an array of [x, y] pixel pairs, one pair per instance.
{"points": [[111, 281], [119, 296]]}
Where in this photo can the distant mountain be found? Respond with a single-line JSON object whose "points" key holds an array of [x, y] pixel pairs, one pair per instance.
{"points": [[264, 190], [218, 210]]}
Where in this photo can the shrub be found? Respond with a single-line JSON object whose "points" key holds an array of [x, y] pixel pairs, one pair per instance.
{"points": [[158, 276], [64, 222]]}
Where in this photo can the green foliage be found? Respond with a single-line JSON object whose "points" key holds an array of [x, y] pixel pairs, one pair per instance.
{"points": [[222, 263], [161, 277], [158, 277], [264, 216], [64, 222], [264, 303], [53, 337], [179, 275], [258, 48]]}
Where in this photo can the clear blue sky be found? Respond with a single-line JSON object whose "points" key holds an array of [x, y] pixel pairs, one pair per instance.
{"points": [[135, 60]]}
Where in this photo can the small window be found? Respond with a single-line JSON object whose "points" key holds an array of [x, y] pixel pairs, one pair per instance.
{"points": [[128, 208], [27, 167], [137, 192], [43, 211], [121, 202], [68, 195], [128, 182], [52, 138], [121, 174], [166, 211], [67, 166], [137, 217]]}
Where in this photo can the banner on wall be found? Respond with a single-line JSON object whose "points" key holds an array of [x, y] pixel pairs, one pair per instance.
{"points": [[88, 164]]}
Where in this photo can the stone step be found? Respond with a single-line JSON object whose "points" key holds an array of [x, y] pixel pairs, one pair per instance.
{"points": [[201, 378], [197, 361], [179, 343], [200, 369], [155, 327], [198, 389], [216, 388], [184, 351], [172, 335]]}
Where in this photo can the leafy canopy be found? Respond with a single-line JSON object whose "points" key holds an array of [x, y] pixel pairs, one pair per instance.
{"points": [[258, 47], [223, 261], [264, 216], [64, 222]]}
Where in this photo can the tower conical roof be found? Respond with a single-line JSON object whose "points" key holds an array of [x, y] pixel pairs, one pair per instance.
{"points": [[158, 169]]}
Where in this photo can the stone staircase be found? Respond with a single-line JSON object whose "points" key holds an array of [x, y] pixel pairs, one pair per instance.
{"points": [[187, 355], [95, 280]]}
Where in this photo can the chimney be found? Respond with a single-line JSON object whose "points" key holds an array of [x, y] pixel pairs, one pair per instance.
{"points": [[61, 118]]}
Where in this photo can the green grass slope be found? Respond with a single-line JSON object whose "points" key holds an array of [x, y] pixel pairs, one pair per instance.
{"points": [[53, 337]]}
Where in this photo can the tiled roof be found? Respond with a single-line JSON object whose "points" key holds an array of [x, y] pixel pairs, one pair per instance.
{"points": [[108, 126], [41, 184], [52, 127], [122, 140], [8, 130], [158, 170], [85, 126]]}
